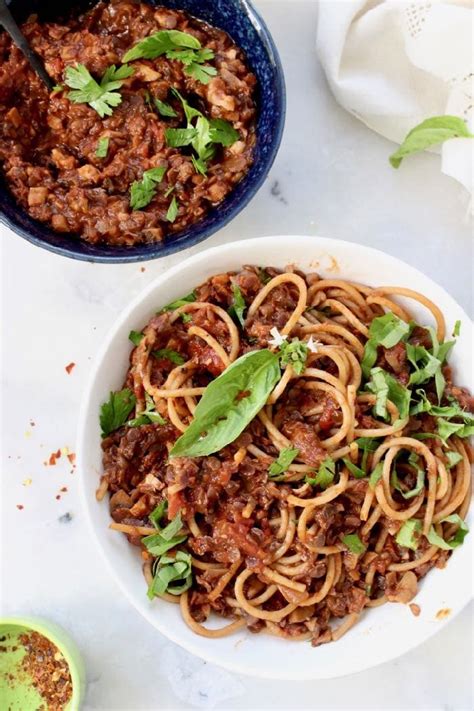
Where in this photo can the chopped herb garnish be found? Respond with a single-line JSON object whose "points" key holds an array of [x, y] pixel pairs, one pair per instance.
{"points": [[453, 459], [376, 475], [413, 460], [148, 416], [102, 97], [173, 208], [172, 575], [135, 337], [457, 329], [386, 387], [353, 468], [57, 87], [324, 475], [164, 109], [456, 540], [386, 331], [143, 191], [280, 465], [409, 534], [238, 305], [169, 537], [169, 354], [102, 147], [114, 413], [158, 513], [354, 544], [294, 353], [179, 302], [179, 46]]}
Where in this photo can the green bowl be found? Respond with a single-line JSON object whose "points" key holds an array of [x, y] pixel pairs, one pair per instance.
{"points": [[22, 696]]}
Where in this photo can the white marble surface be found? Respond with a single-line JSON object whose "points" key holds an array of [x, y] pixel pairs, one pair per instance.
{"points": [[331, 177]]}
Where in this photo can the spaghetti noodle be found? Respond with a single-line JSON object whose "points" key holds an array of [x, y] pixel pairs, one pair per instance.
{"points": [[347, 487]]}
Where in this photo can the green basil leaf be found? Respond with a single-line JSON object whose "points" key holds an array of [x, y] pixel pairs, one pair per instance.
{"points": [[294, 353], [386, 331], [457, 328], [229, 403], [409, 534], [159, 43], [431, 132], [354, 469], [446, 429], [114, 413], [172, 575], [135, 337], [169, 354], [324, 475], [458, 537], [426, 365], [453, 459], [376, 475], [280, 465], [158, 513], [413, 459], [354, 544], [386, 387], [179, 302], [238, 305]]}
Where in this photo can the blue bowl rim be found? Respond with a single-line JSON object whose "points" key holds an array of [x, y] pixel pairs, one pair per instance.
{"points": [[198, 234]]}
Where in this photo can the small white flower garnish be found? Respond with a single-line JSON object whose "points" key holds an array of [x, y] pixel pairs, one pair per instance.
{"points": [[277, 339], [313, 345]]}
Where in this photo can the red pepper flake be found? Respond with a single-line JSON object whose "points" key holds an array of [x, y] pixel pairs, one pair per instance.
{"points": [[48, 670], [32, 424], [54, 457], [142, 269], [63, 488], [58, 497], [72, 457], [69, 367], [20, 507]]}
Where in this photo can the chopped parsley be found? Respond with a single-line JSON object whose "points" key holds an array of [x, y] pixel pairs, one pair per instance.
{"points": [[143, 191], [102, 147], [103, 97], [324, 475], [281, 464], [169, 354], [148, 416], [294, 353], [114, 413], [238, 305], [173, 209], [135, 337], [354, 544]]}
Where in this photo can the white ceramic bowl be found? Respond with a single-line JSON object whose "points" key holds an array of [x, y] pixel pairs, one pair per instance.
{"points": [[382, 633]]}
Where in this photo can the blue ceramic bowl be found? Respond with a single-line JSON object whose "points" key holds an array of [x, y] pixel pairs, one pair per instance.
{"points": [[246, 27]]}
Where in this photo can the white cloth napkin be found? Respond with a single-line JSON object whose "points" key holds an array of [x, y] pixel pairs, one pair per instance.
{"points": [[393, 64]]}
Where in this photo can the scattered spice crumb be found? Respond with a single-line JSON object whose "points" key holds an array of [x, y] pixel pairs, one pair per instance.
{"points": [[20, 507], [32, 424], [72, 457], [443, 613], [416, 609], [27, 482], [58, 497], [65, 518], [63, 489], [69, 368], [142, 269], [44, 664], [54, 456]]}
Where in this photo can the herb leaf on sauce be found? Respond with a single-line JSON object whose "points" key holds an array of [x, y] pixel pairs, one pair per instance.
{"points": [[114, 413], [281, 464], [229, 403], [188, 299], [148, 416], [169, 354], [409, 534], [143, 191], [173, 209], [238, 305], [102, 97], [428, 133], [164, 109], [456, 540], [135, 337], [294, 353], [102, 147], [353, 543], [324, 475], [173, 575], [179, 46]]}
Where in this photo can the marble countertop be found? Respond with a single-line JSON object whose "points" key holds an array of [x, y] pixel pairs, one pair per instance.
{"points": [[331, 178]]}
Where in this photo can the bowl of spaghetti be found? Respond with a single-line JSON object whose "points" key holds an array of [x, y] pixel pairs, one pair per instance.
{"points": [[283, 447]]}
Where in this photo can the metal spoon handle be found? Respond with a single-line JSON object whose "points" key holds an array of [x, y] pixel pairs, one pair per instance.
{"points": [[6, 19]]}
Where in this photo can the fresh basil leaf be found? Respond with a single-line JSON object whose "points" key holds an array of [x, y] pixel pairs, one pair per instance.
{"points": [[172, 575], [173, 210], [413, 460], [367, 445], [281, 464], [354, 544], [457, 328], [426, 365], [164, 109], [409, 534], [386, 387], [424, 435], [188, 299], [238, 305], [160, 43], [114, 413], [102, 147], [324, 475], [431, 132], [294, 353], [158, 512], [354, 469], [458, 537], [385, 331], [453, 459], [169, 354], [143, 191], [135, 337], [229, 403], [376, 475], [446, 429]]}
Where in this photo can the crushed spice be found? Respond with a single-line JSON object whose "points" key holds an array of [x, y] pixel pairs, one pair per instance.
{"points": [[48, 670], [68, 368]]}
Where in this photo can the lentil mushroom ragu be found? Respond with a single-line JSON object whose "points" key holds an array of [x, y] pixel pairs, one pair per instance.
{"points": [[288, 451], [150, 137]]}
